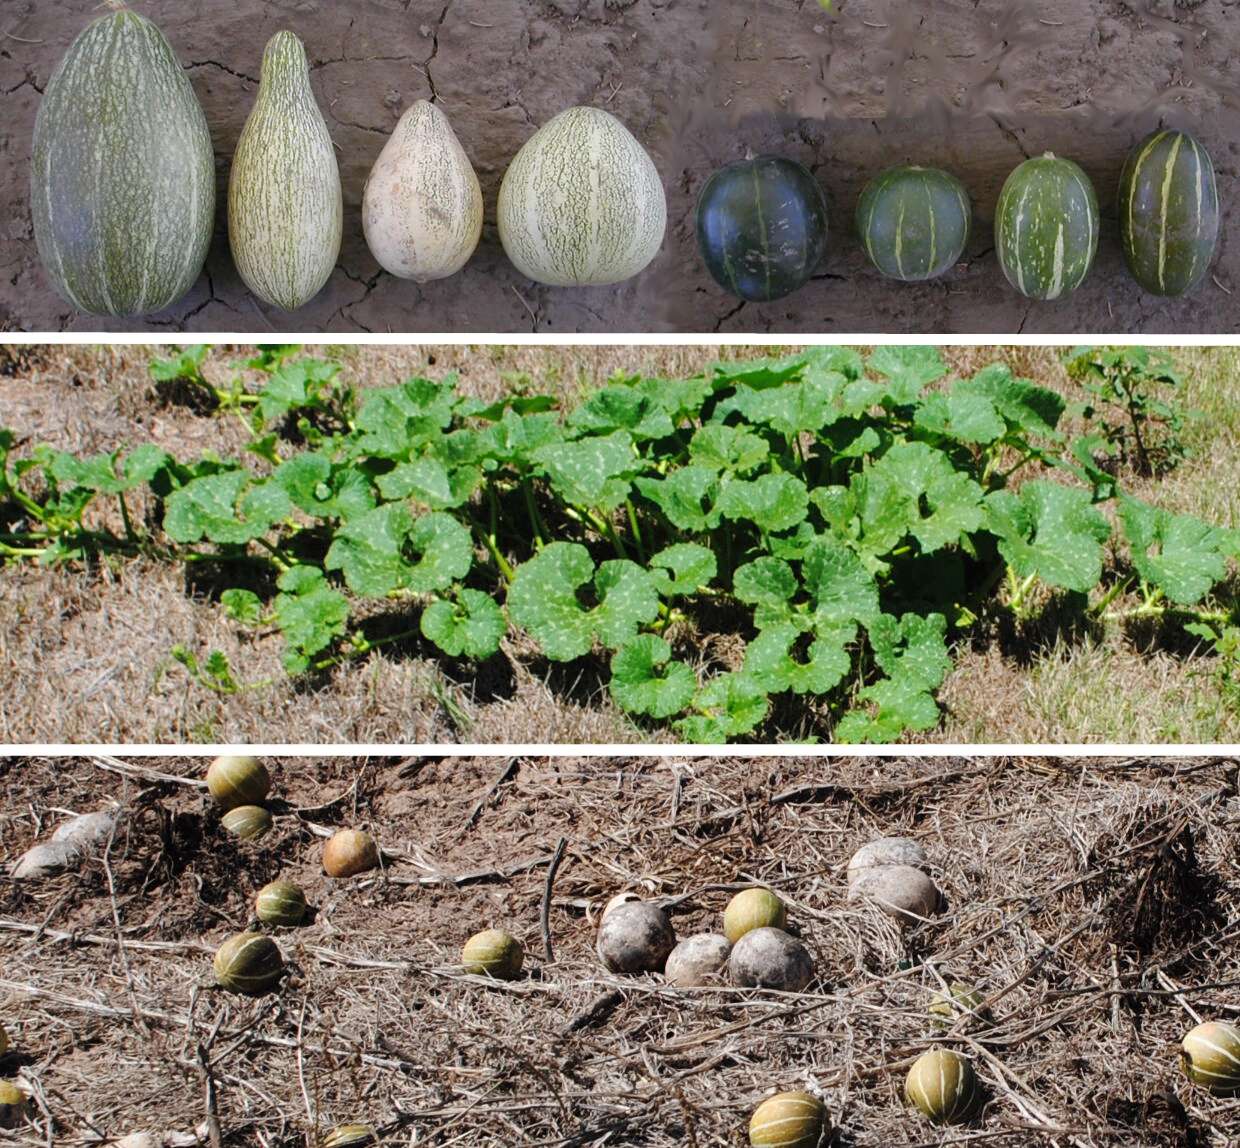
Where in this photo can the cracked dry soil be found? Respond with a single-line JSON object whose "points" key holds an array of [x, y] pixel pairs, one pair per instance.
{"points": [[970, 85]]}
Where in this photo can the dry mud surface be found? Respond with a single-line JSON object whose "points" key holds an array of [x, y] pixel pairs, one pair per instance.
{"points": [[972, 86], [1092, 903]]}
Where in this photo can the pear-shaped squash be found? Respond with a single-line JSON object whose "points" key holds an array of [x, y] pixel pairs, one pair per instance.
{"points": [[285, 207], [422, 207], [582, 203], [122, 184]]}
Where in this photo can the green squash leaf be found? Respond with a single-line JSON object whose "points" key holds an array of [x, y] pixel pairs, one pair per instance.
{"points": [[645, 679], [683, 568], [1179, 554], [387, 550], [473, 626]]}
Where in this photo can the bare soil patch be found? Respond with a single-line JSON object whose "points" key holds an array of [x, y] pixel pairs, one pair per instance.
{"points": [[1093, 903], [975, 87]]}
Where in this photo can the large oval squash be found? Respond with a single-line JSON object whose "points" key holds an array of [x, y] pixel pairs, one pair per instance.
{"points": [[122, 184], [285, 207], [914, 222], [422, 206], [1168, 212], [582, 202], [1046, 227], [762, 227]]}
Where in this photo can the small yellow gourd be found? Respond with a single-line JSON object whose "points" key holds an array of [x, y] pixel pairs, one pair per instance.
{"points": [[234, 781], [788, 1120], [493, 953], [753, 909]]}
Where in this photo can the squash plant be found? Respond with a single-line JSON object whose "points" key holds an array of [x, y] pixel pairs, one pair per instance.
{"points": [[846, 517]]}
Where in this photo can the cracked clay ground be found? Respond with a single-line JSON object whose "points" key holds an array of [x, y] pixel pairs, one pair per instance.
{"points": [[971, 85]]}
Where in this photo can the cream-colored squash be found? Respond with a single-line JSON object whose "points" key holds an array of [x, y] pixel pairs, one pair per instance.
{"points": [[422, 206], [582, 203]]}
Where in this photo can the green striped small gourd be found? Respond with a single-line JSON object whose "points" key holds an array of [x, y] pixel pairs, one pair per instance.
{"points": [[1168, 212], [914, 222], [422, 204], [943, 1086], [582, 203], [122, 183], [788, 1120], [248, 963], [1046, 227], [1211, 1056], [249, 822], [285, 205], [280, 903]]}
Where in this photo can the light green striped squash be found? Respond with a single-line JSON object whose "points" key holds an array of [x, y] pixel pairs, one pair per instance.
{"points": [[582, 202], [422, 205], [285, 206], [122, 184], [914, 222], [1168, 212], [1046, 227]]}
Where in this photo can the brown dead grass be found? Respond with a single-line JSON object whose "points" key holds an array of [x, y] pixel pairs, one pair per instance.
{"points": [[85, 654], [1093, 903]]}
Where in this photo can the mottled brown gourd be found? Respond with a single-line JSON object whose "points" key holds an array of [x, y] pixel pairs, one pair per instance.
{"points": [[422, 205], [770, 959], [697, 960], [349, 852], [122, 174], [285, 206], [635, 938]]}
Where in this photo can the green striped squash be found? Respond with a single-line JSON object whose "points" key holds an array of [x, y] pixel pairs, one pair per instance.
{"points": [[1046, 227], [1168, 212], [581, 203], [122, 184], [943, 1086], [914, 222], [285, 206]]}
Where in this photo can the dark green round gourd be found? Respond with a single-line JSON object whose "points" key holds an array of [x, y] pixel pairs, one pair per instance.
{"points": [[1168, 212], [914, 222], [122, 185], [1046, 227], [762, 227]]}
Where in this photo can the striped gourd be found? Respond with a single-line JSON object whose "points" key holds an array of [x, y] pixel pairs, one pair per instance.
{"points": [[762, 227], [248, 963], [1168, 212], [1046, 227], [1211, 1056], [914, 222], [788, 1120], [582, 202], [285, 207], [422, 206], [943, 1086], [122, 184]]}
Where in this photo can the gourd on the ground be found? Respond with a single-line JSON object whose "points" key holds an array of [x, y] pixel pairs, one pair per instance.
{"points": [[582, 203], [1168, 212], [762, 227], [122, 185], [422, 205], [1046, 227], [914, 222], [285, 206]]}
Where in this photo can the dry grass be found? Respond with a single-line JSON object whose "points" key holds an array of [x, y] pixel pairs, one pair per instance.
{"points": [[1094, 903], [85, 655]]}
